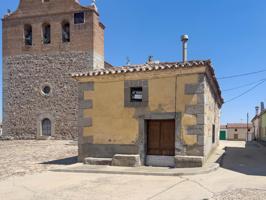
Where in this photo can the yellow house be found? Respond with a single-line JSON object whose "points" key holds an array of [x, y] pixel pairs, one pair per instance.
{"points": [[157, 114]]}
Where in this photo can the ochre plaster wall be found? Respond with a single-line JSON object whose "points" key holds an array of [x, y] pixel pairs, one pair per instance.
{"points": [[112, 123]]}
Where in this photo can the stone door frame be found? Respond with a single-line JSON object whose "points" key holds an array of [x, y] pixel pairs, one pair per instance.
{"points": [[40, 118], [142, 141]]}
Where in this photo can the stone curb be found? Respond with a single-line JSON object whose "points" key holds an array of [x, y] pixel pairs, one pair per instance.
{"points": [[139, 171], [221, 159]]}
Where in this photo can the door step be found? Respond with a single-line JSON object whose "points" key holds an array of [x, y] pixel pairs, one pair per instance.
{"points": [[160, 161]]}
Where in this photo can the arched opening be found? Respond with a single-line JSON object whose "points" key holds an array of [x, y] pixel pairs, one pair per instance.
{"points": [[46, 31], [28, 34], [65, 32], [46, 127]]}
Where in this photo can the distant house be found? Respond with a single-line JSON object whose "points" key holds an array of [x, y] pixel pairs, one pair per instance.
{"points": [[256, 126], [237, 131], [259, 124], [223, 132]]}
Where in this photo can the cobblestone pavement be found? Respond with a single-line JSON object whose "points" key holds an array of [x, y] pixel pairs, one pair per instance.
{"points": [[18, 158], [237, 179]]}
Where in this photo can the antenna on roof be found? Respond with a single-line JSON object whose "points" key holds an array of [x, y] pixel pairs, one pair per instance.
{"points": [[150, 59], [128, 61]]}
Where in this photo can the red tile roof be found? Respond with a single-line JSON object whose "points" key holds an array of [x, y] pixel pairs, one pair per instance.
{"points": [[238, 125], [144, 67], [223, 126], [154, 66]]}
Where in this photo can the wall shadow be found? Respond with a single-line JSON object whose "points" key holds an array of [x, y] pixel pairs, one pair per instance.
{"points": [[250, 160], [64, 161]]}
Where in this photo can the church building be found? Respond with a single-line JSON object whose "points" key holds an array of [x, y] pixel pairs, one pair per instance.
{"points": [[44, 41]]}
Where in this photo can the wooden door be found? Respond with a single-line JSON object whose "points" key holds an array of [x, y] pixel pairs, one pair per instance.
{"points": [[161, 137], [46, 127]]}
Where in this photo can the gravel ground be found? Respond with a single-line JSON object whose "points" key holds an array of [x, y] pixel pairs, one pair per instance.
{"points": [[242, 194], [18, 158]]}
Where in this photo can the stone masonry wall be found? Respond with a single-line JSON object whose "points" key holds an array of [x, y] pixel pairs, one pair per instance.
{"points": [[27, 68], [207, 113], [198, 112], [24, 103]]}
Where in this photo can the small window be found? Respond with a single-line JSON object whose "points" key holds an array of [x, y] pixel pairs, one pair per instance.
{"points": [[65, 32], [248, 130], [28, 35], [79, 18], [213, 133], [46, 30], [45, 1], [46, 90], [136, 94], [235, 130]]}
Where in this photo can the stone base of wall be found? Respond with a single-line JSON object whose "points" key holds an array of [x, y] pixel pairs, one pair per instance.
{"points": [[130, 160], [4, 137], [45, 138], [188, 161], [105, 150], [127, 155], [126, 160]]}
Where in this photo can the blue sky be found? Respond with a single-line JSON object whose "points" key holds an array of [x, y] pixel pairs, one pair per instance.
{"points": [[230, 33]]}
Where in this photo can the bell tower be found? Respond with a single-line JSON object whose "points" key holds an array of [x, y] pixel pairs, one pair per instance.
{"points": [[44, 41]]}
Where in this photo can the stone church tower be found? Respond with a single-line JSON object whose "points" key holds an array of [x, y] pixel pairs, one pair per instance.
{"points": [[44, 41]]}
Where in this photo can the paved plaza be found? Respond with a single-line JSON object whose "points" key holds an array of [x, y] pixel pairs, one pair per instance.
{"points": [[242, 176]]}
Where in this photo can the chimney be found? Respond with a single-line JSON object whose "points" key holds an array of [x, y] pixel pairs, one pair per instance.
{"points": [[257, 110], [184, 39], [261, 106]]}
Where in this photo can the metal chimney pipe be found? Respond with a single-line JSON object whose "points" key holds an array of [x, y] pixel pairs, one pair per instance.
{"points": [[257, 110], [184, 39]]}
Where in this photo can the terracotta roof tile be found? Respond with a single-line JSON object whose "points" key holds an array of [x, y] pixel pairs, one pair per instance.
{"points": [[223, 127], [238, 125], [142, 67]]}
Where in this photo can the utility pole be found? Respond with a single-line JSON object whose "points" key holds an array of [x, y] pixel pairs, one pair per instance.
{"points": [[247, 125]]}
